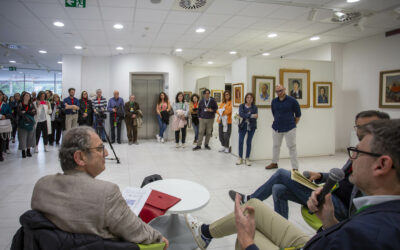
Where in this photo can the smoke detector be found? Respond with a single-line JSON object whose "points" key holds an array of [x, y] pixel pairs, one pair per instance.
{"points": [[192, 5]]}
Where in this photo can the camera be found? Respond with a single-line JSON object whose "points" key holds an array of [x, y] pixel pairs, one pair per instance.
{"points": [[101, 115]]}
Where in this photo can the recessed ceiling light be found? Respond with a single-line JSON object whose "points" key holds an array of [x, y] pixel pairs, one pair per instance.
{"points": [[12, 61], [119, 48], [42, 51], [266, 54], [352, 1], [118, 26], [233, 52], [21, 72], [210, 62], [58, 24], [178, 50], [339, 13], [59, 62], [78, 47], [272, 35], [314, 38], [200, 30]]}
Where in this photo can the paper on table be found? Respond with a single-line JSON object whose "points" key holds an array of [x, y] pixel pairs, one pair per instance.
{"points": [[136, 198]]}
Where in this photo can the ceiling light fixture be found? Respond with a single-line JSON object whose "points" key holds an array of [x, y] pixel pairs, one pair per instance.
{"points": [[59, 62], [118, 26], [78, 47], [233, 52], [119, 48], [12, 61], [210, 62], [42, 51], [352, 1], [178, 50], [272, 35], [266, 54], [200, 30], [58, 24], [314, 38]]}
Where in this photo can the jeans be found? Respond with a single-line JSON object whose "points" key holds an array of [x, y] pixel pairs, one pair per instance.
{"points": [[196, 131], [163, 126], [283, 189], [242, 134], [99, 128]]}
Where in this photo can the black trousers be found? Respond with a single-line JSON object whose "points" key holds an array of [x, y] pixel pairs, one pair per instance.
{"points": [[224, 136], [112, 127], [41, 128], [56, 131], [183, 134]]}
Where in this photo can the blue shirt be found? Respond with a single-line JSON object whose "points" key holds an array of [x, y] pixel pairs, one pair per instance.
{"points": [[115, 103], [246, 113], [284, 113], [68, 101]]}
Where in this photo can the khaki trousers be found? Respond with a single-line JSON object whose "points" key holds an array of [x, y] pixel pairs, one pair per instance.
{"points": [[131, 131], [205, 126], [290, 138], [71, 121], [272, 230]]}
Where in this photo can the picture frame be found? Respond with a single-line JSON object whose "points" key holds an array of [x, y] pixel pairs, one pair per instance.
{"points": [[187, 95], [263, 90], [322, 94], [201, 92], [389, 89], [237, 94], [217, 95], [297, 84]]}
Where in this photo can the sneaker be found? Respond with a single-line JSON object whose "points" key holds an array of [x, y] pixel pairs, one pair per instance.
{"points": [[158, 138], [207, 147], [183, 145], [243, 197], [222, 150], [46, 149], [196, 148], [13, 140], [23, 154], [239, 161], [162, 140], [8, 151], [195, 228], [177, 145], [36, 150], [248, 163], [226, 150]]}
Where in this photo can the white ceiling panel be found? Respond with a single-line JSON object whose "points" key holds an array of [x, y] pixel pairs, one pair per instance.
{"points": [[227, 7], [316, 28], [293, 26], [226, 32], [28, 23], [118, 3], [160, 50], [89, 13], [163, 5], [117, 14], [180, 17], [259, 10], [372, 5], [288, 12], [212, 19], [13, 10], [177, 29], [240, 22], [383, 21], [153, 16], [94, 37], [139, 50], [146, 27], [268, 24], [83, 24]]}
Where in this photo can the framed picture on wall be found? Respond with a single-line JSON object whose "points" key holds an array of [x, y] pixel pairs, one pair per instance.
{"points": [[201, 92], [217, 95], [187, 95], [238, 92], [297, 84], [389, 89], [263, 90], [322, 94]]}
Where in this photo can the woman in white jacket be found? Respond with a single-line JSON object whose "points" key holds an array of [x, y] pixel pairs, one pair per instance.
{"points": [[43, 120], [181, 112]]}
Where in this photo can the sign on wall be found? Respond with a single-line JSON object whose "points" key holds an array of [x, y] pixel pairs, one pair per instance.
{"points": [[12, 68], [75, 3]]}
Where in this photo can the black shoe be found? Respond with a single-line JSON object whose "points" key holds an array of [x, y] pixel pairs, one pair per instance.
{"points": [[196, 148], [23, 154], [28, 153], [1, 158], [57, 143], [119, 142], [207, 147], [232, 194], [112, 142], [104, 140], [51, 143]]}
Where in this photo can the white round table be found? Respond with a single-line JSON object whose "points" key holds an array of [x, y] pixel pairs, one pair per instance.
{"points": [[193, 197]]}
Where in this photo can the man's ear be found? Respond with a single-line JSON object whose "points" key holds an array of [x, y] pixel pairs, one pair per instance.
{"points": [[79, 158], [384, 165]]}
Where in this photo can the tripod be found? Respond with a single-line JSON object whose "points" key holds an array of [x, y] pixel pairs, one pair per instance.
{"points": [[100, 129]]}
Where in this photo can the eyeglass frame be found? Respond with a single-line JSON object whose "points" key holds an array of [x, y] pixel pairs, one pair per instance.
{"points": [[102, 147], [350, 151]]}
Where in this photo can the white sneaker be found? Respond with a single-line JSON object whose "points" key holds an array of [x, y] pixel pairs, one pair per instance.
{"points": [[183, 145], [162, 140], [36, 149], [195, 228], [7, 151], [239, 161], [248, 163], [177, 145], [46, 149], [222, 150], [158, 138], [226, 150]]}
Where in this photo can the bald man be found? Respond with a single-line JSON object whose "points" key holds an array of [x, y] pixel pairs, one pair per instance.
{"points": [[116, 108], [132, 113]]}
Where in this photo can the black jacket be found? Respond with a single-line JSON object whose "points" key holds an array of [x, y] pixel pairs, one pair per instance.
{"points": [[37, 232]]}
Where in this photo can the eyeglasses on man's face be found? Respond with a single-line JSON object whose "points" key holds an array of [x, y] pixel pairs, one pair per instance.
{"points": [[99, 149], [354, 153]]}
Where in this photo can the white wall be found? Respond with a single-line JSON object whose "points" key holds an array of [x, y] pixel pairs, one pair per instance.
{"points": [[192, 73], [72, 74], [320, 53], [96, 75]]}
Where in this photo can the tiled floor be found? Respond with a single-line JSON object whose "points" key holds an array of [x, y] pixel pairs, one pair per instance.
{"points": [[216, 171]]}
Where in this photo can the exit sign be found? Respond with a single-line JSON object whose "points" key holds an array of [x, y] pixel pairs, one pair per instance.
{"points": [[75, 3], [12, 68]]}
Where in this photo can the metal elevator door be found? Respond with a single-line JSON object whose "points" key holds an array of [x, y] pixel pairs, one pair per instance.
{"points": [[146, 89]]}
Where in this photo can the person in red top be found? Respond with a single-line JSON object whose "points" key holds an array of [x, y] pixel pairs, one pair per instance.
{"points": [[85, 111], [26, 122]]}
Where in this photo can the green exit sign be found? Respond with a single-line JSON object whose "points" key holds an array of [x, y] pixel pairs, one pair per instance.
{"points": [[12, 68], [75, 3]]}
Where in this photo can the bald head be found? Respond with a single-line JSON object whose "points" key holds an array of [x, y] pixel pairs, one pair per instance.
{"points": [[280, 91], [116, 94], [132, 98]]}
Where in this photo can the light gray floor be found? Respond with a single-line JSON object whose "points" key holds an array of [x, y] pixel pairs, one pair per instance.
{"points": [[216, 171]]}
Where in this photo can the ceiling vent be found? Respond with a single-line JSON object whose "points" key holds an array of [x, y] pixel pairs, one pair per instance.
{"points": [[345, 18], [192, 5]]}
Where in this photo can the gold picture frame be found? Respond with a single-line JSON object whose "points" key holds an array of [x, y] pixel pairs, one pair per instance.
{"points": [[297, 84], [389, 89], [217, 95], [322, 94], [263, 90], [187, 95], [237, 94]]}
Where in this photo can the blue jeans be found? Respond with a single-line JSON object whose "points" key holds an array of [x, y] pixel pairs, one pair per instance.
{"points": [[242, 134], [96, 127], [196, 131], [163, 126], [284, 189]]}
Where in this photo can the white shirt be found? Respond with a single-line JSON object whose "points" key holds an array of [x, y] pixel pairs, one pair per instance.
{"points": [[373, 200]]}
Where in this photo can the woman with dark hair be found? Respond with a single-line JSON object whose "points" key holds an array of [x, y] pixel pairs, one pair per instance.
{"points": [[5, 114], [248, 111], [14, 108], [43, 120], [26, 122], [163, 107], [181, 112], [49, 96], [57, 120], [193, 108], [225, 121], [85, 110]]}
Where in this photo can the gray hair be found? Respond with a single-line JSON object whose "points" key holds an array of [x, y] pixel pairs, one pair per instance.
{"points": [[386, 139], [97, 90], [75, 139]]}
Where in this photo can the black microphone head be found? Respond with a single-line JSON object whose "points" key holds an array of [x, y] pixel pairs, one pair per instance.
{"points": [[336, 174], [307, 174]]}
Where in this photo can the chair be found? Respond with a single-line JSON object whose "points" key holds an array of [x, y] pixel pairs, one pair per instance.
{"points": [[150, 178]]}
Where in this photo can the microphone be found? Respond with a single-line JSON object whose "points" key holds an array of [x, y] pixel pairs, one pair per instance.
{"points": [[335, 175], [307, 174]]}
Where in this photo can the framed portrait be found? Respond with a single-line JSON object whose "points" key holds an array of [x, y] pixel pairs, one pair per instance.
{"points": [[238, 89], [297, 84], [217, 95], [389, 89], [187, 95], [322, 94], [264, 90]]}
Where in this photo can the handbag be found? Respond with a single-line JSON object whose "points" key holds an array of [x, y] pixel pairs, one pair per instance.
{"points": [[5, 126], [27, 122], [156, 205]]}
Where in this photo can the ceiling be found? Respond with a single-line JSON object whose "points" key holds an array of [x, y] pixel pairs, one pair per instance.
{"points": [[239, 25]]}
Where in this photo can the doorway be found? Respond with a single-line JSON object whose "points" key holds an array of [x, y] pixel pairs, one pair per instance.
{"points": [[146, 89]]}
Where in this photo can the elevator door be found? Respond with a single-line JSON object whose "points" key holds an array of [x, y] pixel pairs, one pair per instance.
{"points": [[146, 89]]}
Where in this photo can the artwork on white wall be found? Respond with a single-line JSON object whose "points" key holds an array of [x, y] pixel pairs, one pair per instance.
{"points": [[263, 90], [297, 84], [217, 95], [238, 89], [322, 94], [389, 89]]}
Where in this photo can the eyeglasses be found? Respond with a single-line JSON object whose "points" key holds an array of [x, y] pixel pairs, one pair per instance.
{"points": [[279, 91], [354, 153], [98, 149]]}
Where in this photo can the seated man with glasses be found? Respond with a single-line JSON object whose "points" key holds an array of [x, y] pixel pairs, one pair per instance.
{"points": [[283, 188], [375, 225], [76, 202]]}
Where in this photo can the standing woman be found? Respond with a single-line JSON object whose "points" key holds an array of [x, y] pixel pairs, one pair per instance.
{"points": [[5, 114], [49, 96], [194, 107], [162, 109], [14, 111], [43, 119], [57, 120], [181, 112], [225, 121], [26, 123], [85, 110], [249, 113]]}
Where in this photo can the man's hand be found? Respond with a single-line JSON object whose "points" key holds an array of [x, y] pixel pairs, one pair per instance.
{"points": [[314, 176], [254, 116], [166, 243], [245, 224], [84, 114], [326, 213], [133, 116], [114, 110]]}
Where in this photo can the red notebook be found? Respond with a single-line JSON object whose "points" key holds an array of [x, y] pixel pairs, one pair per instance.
{"points": [[156, 205]]}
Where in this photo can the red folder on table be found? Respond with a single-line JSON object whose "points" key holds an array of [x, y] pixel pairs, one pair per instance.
{"points": [[156, 205]]}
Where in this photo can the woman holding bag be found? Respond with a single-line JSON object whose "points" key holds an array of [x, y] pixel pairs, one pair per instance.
{"points": [[43, 120], [26, 123], [181, 112], [225, 121], [6, 127]]}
